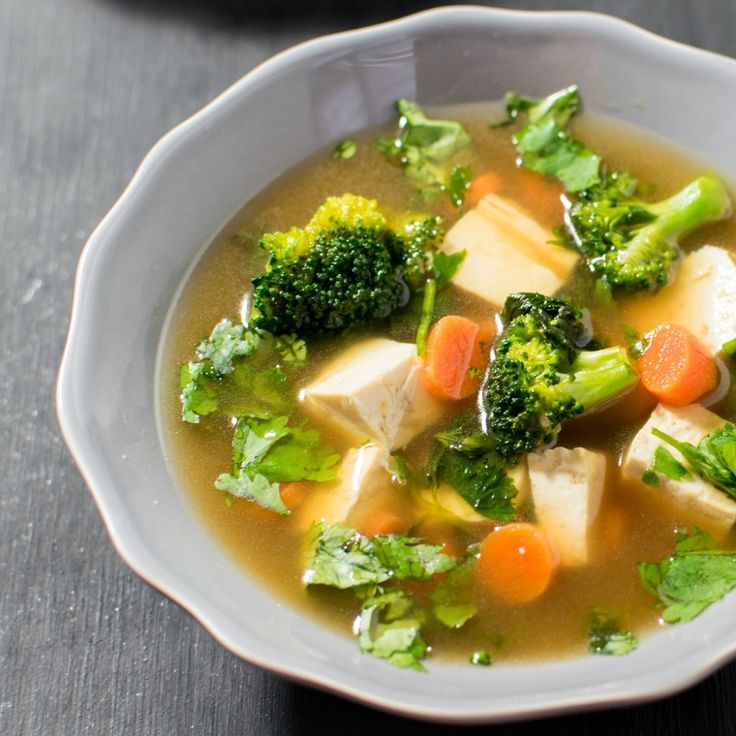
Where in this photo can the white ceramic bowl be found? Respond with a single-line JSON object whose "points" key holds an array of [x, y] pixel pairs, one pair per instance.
{"points": [[190, 185]]}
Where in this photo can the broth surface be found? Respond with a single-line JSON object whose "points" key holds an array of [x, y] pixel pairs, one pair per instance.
{"points": [[633, 524]]}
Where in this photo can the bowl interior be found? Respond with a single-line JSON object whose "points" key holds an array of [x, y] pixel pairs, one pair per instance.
{"points": [[192, 183]]}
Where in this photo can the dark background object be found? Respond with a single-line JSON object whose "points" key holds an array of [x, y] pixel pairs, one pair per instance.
{"points": [[86, 647]]}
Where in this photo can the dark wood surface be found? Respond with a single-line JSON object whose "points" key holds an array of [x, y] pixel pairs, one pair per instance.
{"points": [[86, 87]]}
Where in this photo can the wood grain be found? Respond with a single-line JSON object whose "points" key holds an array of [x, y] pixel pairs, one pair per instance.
{"points": [[86, 86]]}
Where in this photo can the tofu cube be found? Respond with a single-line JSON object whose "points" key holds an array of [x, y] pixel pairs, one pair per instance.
{"points": [[373, 392], [364, 483], [566, 487], [687, 424], [702, 298], [507, 251]]}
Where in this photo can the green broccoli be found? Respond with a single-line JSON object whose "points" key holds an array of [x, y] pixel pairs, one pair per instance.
{"points": [[543, 374], [345, 267], [629, 243]]}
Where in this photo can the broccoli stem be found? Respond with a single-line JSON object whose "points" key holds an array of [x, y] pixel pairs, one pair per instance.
{"points": [[703, 200], [598, 376]]}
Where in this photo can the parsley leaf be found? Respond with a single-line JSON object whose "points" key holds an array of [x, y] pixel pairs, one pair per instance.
{"points": [[267, 452], [344, 558], [389, 628], [693, 578], [714, 459], [292, 349], [445, 265], [197, 398], [665, 463], [452, 598], [606, 637]]}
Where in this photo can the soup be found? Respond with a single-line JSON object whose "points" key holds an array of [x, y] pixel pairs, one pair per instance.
{"points": [[404, 449]]}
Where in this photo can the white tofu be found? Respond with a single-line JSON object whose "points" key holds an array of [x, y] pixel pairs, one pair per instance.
{"points": [[687, 424], [507, 251], [566, 487], [373, 392], [364, 482], [702, 298]]}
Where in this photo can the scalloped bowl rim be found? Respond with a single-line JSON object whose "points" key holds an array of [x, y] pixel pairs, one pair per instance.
{"points": [[698, 665]]}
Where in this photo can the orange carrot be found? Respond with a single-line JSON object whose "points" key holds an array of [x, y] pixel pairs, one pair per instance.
{"points": [[292, 494], [676, 367], [454, 359], [383, 521], [516, 563], [482, 186]]}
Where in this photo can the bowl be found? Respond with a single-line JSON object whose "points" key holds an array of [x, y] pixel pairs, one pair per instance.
{"points": [[199, 175]]}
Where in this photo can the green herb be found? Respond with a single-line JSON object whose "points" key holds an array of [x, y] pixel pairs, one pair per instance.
{"points": [[729, 348], [693, 578], [606, 637], [267, 452], [714, 459], [636, 344], [481, 658], [402, 471], [544, 143], [667, 464], [452, 598], [446, 265], [430, 292], [389, 628], [343, 558], [425, 147], [603, 293], [345, 149], [216, 355], [292, 350], [457, 185]]}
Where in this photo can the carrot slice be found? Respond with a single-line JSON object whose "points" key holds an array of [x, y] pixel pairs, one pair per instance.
{"points": [[676, 367], [454, 358], [292, 494], [482, 186], [516, 563]]}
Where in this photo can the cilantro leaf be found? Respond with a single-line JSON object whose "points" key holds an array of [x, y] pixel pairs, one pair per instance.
{"points": [[345, 149], [714, 459], [267, 452], [690, 580], [445, 265], [216, 356], [425, 147], [665, 463], [452, 599], [389, 628], [544, 144], [292, 349], [606, 637], [457, 185], [408, 558], [344, 558]]}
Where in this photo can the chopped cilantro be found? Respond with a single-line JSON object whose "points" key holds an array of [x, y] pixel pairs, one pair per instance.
{"points": [[667, 464], [345, 149], [267, 452], [606, 637], [452, 598], [481, 658], [389, 628], [446, 265], [714, 459], [292, 350], [457, 185], [693, 578], [402, 471], [197, 398], [344, 558]]}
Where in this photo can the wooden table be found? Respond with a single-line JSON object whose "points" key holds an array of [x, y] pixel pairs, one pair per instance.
{"points": [[86, 87]]}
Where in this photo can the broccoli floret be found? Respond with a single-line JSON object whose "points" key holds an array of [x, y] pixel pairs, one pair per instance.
{"points": [[345, 267], [629, 243], [542, 374], [632, 244]]}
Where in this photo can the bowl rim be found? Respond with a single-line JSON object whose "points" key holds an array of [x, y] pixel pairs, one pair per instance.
{"points": [[124, 539]]}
